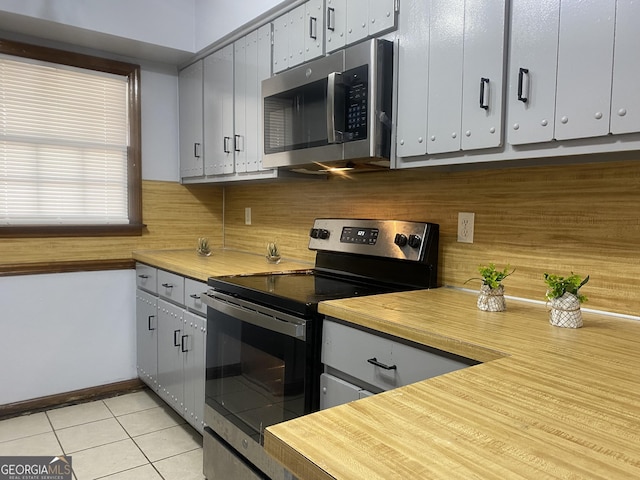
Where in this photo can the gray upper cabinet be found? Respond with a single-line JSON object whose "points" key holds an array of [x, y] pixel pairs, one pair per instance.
{"points": [[585, 63], [450, 77], [218, 112], [191, 134], [353, 21], [298, 35], [573, 65], [229, 107], [625, 95], [532, 76]]}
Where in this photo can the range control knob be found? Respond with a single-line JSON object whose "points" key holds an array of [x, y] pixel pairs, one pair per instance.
{"points": [[415, 241], [323, 234], [314, 233], [400, 240]]}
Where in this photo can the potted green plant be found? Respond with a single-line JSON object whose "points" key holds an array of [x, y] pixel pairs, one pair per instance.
{"points": [[565, 299], [273, 253], [491, 297]]}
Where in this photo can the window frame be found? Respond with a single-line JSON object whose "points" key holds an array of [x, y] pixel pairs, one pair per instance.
{"points": [[134, 151]]}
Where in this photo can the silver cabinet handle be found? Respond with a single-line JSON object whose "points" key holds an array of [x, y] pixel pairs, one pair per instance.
{"points": [[144, 277], [225, 144], [196, 150], [167, 285], [194, 296], [149, 322]]}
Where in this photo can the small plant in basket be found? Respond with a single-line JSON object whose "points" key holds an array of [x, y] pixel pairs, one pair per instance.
{"points": [[565, 298], [273, 252], [491, 297]]}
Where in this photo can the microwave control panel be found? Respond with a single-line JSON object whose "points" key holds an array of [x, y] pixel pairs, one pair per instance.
{"points": [[356, 103]]}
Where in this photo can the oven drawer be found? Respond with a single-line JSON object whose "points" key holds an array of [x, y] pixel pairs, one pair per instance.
{"points": [[221, 463], [193, 292], [380, 361], [171, 286], [146, 277]]}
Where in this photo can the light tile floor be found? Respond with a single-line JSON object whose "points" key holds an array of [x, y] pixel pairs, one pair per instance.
{"points": [[129, 437]]}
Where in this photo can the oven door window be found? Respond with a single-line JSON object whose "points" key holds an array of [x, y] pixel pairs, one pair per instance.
{"points": [[255, 377]]}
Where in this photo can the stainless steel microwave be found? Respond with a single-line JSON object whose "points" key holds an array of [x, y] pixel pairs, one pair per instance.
{"points": [[331, 113]]}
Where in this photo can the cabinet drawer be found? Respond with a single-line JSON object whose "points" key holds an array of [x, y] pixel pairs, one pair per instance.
{"points": [[192, 292], [146, 277], [380, 361], [171, 286], [348, 350]]}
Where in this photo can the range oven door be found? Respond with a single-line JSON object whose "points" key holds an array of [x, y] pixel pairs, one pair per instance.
{"points": [[262, 368]]}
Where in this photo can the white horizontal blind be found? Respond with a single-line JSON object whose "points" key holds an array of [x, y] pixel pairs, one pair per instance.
{"points": [[63, 145]]}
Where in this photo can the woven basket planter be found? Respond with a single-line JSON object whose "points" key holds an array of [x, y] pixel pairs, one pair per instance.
{"points": [[491, 299], [565, 311]]}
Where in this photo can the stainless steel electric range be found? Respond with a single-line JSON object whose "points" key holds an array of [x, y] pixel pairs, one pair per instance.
{"points": [[264, 332]]}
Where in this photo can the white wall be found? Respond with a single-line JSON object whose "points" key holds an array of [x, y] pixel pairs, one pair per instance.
{"points": [[168, 23], [63, 332], [217, 18]]}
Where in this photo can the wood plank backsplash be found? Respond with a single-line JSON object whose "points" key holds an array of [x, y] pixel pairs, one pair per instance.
{"points": [[581, 218], [175, 216]]}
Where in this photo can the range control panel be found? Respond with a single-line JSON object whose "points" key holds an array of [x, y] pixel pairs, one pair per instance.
{"points": [[382, 238]]}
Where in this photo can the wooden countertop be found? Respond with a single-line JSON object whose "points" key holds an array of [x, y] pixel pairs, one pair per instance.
{"points": [[221, 262], [547, 403]]}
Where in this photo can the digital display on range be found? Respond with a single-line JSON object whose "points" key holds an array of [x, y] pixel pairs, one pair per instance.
{"points": [[367, 236]]}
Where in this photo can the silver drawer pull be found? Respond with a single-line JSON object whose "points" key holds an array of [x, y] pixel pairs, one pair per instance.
{"points": [[167, 285], [144, 277], [194, 296], [374, 361]]}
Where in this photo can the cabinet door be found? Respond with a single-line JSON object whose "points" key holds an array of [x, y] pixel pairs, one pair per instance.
{"points": [[244, 52], [218, 111], [585, 63], [193, 349], [314, 29], [296, 29], [281, 43], [170, 358], [382, 15], [190, 111], [357, 20], [413, 74], [445, 75], [336, 16], [532, 76], [147, 338], [483, 67], [625, 98], [335, 391], [254, 100]]}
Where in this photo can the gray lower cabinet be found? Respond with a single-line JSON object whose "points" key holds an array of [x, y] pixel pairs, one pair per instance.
{"points": [[147, 338], [171, 335], [360, 363]]}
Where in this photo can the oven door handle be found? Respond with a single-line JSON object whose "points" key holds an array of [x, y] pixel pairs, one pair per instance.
{"points": [[276, 323]]}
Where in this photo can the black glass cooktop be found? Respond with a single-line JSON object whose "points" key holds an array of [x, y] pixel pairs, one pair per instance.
{"points": [[295, 291]]}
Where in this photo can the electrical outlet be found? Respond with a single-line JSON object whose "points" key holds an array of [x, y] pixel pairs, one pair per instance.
{"points": [[247, 216], [465, 227]]}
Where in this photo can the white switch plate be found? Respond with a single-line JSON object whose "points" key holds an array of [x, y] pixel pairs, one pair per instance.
{"points": [[465, 227], [247, 216]]}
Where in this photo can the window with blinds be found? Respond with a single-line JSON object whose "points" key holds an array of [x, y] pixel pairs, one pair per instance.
{"points": [[65, 143]]}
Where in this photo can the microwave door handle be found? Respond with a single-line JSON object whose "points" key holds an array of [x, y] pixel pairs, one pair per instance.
{"points": [[333, 80]]}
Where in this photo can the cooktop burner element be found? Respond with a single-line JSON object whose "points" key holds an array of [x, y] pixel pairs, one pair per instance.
{"points": [[354, 257]]}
